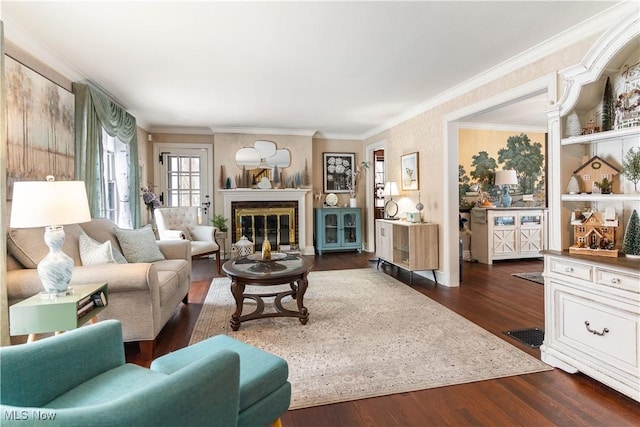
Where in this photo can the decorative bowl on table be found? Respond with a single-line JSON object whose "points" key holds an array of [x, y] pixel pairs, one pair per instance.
{"points": [[275, 256], [267, 265]]}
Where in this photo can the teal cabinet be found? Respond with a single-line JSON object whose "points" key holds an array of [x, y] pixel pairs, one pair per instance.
{"points": [[338, 229]]}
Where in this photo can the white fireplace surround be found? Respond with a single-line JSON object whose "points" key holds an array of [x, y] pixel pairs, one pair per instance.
{"points": [[269, 195]]}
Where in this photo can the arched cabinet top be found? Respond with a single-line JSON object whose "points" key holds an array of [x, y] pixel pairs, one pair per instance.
{"points": [[613, 47]]}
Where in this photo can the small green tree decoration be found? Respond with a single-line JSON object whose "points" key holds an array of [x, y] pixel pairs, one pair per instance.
{"points": [[306, 176], [631, 166], [631, 242], [608, 107]]}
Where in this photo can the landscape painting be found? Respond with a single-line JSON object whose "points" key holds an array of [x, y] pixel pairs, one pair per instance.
{"points": [[40, 127]]}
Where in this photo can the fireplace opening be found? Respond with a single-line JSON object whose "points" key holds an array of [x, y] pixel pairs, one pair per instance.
{"points": [[258, 220]]}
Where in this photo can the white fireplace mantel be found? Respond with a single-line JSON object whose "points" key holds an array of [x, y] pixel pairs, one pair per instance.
{"points": [[273, 194]]}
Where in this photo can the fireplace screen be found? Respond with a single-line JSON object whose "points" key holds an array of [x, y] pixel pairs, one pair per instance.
{"points": [[277, 224]]}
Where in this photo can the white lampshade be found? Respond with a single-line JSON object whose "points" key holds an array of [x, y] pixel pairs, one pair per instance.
{"points": [[507, 177], [51, 204], [391, 189], [46, 203]]}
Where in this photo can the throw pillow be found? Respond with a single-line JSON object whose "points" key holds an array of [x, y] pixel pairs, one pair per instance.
{"points": [[139, 245], [95, 253], [117, 255]]}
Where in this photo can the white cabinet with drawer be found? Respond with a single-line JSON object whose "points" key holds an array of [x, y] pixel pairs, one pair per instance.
{"points": [[592, 318]]}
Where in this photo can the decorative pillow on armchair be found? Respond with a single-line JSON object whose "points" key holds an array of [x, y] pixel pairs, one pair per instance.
{"points": [[139, 245]]}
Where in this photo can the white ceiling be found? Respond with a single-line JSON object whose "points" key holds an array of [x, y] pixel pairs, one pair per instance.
{"points": [[339, 68]]}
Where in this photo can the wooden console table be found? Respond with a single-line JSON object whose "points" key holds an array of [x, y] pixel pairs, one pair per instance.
{"points": [[411, 246]]}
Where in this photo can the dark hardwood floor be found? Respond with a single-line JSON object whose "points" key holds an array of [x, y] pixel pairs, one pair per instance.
{"points": [[490, 297]]}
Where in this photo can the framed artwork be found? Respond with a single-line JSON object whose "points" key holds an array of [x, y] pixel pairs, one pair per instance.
{"points": [[410, 170], [40, 127], [337, 171]]}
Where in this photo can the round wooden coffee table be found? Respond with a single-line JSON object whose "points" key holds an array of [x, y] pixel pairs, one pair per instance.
{"points": [[281, 269]]}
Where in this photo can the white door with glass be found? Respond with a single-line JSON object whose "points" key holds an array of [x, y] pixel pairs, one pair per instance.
{"points": [[183, 176]]}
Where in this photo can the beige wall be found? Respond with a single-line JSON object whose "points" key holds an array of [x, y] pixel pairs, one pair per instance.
{"points": [[425, 133]]}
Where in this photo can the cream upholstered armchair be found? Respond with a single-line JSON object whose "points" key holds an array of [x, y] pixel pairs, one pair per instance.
{"points": [[182, 223]]}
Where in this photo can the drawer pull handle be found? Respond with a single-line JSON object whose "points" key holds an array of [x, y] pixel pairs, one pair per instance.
{"points": [[615, 280], [594, 332], [568, 270]]}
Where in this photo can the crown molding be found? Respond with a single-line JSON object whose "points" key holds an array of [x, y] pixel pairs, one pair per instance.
{"points": [[38, 49], [264, 131], [343, 136], [596, 24], [502, 127], [179, 130]]}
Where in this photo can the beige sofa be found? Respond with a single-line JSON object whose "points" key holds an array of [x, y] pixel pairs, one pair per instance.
{"points": [[143, 296]]}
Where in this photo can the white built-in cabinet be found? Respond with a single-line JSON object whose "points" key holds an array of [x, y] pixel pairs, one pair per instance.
{"points": [[592, 303], [592, 315]]}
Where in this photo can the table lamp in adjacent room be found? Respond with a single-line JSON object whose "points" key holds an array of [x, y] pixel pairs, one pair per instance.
{"points": [[504, 179], [391, 207], [51, 204]]}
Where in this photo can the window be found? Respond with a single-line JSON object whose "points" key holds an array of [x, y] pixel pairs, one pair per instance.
{"points": [[115, 163], [183, 179]]}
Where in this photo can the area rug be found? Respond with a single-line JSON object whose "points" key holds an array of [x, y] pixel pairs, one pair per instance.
{"points": [[532, 277], [368, 335]]}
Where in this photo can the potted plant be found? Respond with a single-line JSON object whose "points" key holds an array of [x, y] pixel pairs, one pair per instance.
{"points": [[631, 167], [631, 242], [352, 185], [604, 186], [220, 222]]}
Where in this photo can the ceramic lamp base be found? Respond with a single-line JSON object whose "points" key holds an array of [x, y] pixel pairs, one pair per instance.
{"points": [[506, 197], [56, 268]]}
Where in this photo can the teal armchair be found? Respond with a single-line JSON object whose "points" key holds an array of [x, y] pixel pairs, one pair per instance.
{"points": [[80, 378]]}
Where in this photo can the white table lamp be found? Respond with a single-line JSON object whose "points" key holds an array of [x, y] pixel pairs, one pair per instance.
{"points": [[505, 179], [51, 204], [391, 207]]}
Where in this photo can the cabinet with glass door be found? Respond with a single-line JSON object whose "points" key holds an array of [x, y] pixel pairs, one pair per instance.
{"points": [[338, 229]]}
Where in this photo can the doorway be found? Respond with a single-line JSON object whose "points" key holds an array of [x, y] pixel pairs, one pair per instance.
{"points": [[488, 110], [378, 184], [373, 197]]}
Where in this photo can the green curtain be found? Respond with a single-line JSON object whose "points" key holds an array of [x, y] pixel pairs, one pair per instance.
{"points": [[95, 111]]}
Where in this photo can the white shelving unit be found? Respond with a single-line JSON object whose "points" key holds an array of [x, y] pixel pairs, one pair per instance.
{"points": [[592, 303]]}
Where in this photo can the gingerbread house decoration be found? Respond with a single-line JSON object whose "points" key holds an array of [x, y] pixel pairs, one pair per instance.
{"points": [[594, 233], [594, 171]]}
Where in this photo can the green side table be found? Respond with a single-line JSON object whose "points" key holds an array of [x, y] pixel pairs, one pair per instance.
{"points": [[42, 314]]}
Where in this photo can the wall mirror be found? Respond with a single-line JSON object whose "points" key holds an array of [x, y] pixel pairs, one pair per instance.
{"points": [[263, 155]]}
